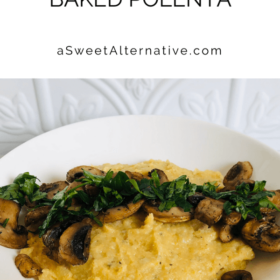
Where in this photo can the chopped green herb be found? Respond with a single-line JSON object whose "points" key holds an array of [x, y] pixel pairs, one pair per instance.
{"points": [[23, 185], [121, 190], [5, 223]]}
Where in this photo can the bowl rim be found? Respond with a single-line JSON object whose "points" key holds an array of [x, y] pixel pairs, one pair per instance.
{"points": [[163, 117]]}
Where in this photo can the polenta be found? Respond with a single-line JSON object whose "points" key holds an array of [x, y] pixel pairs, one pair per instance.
{"points": [[139, 247]]}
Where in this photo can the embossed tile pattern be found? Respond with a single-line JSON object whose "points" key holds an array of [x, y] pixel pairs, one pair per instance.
{"points": [[31, 107]]}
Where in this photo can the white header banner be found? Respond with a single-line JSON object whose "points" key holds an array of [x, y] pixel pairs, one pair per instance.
{"points": [[139, 39]]}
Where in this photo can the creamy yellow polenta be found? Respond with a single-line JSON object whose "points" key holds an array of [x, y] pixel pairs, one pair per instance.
{"points": [[141, 248]]}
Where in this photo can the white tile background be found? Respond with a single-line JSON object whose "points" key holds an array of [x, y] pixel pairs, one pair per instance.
{"points": [[31, 107]]}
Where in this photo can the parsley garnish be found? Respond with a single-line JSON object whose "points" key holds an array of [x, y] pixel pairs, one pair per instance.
{"points": [[121, 190], [248, 202], [23, 185], [170, 194]]}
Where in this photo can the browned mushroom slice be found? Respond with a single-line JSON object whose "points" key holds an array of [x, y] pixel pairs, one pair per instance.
{"points": [[29, 204], [238, 173], [254, 228], [52, 236], [276, 200], [196, 198], [237, 275], [263, 235], [14, 239], [74, 185], [74, 243], [174, 215], [36, 217], [9, 210], [77, 172], [136, 175], [53, 188], [120, 212], [53, 254], [232, 187], [91, 190], [209, 211], [27, 267], [232, 219], [226, 233], [162, 176]]}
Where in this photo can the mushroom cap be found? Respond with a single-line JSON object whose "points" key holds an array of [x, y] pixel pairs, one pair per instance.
{"points": [[239, 172], [196, 198], [36, 217], [237, 275], [161, 174], [13, 239], [54, 255], [232, 219], [226, 233], [209, 211], [76, 202], [91, 190], [52, 235], [77, 172], [232, 187], [136, 175], [253, 229], [9, 210], [120, 212], [27, 267], [52, 188], [74, 185], [263, 235], [75, 241], [29, 204], [174, 215], [275, 199]]}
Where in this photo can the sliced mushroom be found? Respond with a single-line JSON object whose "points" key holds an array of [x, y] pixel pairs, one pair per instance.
{"points": [[36, 217], [53, 254], [174, 215], [120, 212], [226, 233], [237, 275], [232, 219], [196, 198], [238, 173], [276, 200], [209, 211], [136, 175], [53, 188], [9, 210], [14, 239], [30, 204], [232, 187], [263, 235], [91, 190], [77, 172], [76, 202], [75, 241], [253, 229], [74, 185], [52, 236], [162, 176], [27, 267]]}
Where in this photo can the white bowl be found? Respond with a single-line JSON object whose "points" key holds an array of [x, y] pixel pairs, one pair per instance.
{"points": [[130, 139]]}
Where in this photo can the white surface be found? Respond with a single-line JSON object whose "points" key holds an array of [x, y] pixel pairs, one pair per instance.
{"points": [[31, 107], [188, 143], [31, 32]]}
